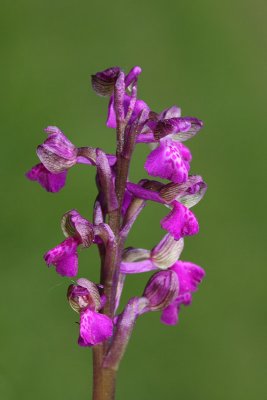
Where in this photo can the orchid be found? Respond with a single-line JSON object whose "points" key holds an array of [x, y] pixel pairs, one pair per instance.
{"points": [[118, 204]]}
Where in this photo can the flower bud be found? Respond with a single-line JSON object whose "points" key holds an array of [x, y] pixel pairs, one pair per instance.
{"points": [[161, 289], [84, 295], [103, 82]]}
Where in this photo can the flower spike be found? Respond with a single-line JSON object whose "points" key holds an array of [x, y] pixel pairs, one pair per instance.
{"points": [[118, 203]]}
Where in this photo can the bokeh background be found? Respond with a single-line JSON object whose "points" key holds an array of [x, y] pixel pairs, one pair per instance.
{"points": [[207, 56]]}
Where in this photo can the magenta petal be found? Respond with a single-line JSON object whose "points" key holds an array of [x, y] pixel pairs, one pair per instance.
{"points": [[49, 181], [189, 275], [142, 193], [170, 161], [127, 199], [64, 257], [169, 315], [137, 267], [67, 265], [111, 120], [180, 222], [94, 328], [132, 75]]}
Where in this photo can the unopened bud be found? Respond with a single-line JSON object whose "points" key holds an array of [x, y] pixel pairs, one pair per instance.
{"points": [[161, 289], [103, 82]]}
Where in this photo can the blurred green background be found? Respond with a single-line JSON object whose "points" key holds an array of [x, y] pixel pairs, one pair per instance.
{"points": [[208, 57]]}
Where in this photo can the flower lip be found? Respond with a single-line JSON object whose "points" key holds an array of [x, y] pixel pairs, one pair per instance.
{"points": [[169, 161], [51, 182]]}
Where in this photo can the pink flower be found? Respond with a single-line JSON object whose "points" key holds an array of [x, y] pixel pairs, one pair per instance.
{"points": [[85, 299], [180, 221], [64, 257], [189, 277]]}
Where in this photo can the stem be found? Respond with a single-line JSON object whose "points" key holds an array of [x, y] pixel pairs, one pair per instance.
{"points": [[104, 379]]}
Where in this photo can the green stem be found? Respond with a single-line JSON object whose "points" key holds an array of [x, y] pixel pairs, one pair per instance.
{"points": [[104, 379]]}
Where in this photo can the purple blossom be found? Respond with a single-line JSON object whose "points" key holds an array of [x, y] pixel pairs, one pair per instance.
{"points": [[189, 277], [84, 298], [49, 181], [180, 221], [162, 256], [58, 155], [169, 123], [170, 161], [64, 257], [117, 205], [95, 328]]}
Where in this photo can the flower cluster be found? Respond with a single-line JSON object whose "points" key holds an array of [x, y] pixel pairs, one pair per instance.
{"points": [[118, 204]]}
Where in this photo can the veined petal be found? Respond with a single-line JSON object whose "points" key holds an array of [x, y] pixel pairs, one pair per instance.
{"points": [[84, 295], [103, 82], [74, 225], [192, 191], [183, 135], [49, 181], [180, 222], [167, 252], [95, 328], [57, 153], [161, 289]]}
